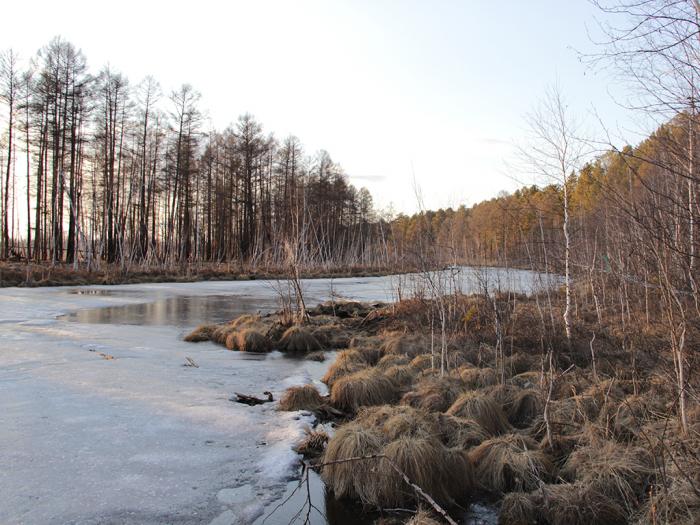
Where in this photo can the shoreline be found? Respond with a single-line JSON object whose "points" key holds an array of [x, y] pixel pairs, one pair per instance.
{"points": [[24, 275]]}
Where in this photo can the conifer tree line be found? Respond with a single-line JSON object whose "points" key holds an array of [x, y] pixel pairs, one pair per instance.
{"points": [[121, 172]]}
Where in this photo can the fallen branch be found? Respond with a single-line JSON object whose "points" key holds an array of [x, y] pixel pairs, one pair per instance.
{"points": [[251, 400]]}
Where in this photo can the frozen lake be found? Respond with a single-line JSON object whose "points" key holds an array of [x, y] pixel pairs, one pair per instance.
{"points": [[101, 423]]}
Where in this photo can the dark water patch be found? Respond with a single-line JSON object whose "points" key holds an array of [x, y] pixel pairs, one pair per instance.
{"points": [[181, 311]]}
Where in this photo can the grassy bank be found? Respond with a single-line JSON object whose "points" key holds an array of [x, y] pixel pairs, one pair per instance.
{"points": [[33, 275], [502, 409]]}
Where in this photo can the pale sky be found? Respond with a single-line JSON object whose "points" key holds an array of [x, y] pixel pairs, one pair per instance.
{"points": [[437, 89]]}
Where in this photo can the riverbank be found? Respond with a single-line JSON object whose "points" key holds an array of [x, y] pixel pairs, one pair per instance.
{"points": [[31, 275], [506, 411], [142, 438]]}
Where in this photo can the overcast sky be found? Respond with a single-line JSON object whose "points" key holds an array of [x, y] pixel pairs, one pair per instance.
{"points": [[392, 89]]}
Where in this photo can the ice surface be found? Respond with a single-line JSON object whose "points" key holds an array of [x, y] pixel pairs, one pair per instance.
{"points": [[102, 423]]}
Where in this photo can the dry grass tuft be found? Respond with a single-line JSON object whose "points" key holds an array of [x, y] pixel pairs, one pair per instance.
{"points": [[425, 462], [518, 508], [304, 397], [578, 504], [352, 479], [319, 356], [619, 472], [390, 360], [435, 394], [221, 333], [313, 445], [527, 379], [425, 361], [423, 517], [482, 409], [203, 332], [404, 344], [245, 321], [346, 362], [364, 388], [248, 340], [510, 462], [521, 363], [478, 377], [401, 375], [399, 421], [299, 339], [462, 433], [524, 408]]}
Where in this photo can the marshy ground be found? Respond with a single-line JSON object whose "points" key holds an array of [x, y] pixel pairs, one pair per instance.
{"points": [[506, 412]]}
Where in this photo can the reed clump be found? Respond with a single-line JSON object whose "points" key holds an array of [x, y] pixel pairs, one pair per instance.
{"points": [[346, 362], [348, 467], [620, 472], [509, 463], [248, 340], [364, 388], [435, 394], [298, 339], [313, 444], [404, 344], [304, 397], [482, 409], [401, 375], [201, 334]]}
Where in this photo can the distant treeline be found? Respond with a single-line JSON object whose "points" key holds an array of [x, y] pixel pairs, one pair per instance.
{"points": [[119, 172], [627, 208]]}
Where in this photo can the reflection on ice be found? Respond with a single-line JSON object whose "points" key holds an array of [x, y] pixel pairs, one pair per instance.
{"points": [[179, 310]]}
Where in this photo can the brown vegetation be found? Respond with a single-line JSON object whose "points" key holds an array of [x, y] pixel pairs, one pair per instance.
{"points": [[556, 446], [304, 397], [298, 339], [248, 340], [200, 334], [510, 463], [363, 388]]}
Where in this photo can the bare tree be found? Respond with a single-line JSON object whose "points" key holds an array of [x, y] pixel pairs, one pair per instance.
{"points": [[554, 153], [9, 93]]}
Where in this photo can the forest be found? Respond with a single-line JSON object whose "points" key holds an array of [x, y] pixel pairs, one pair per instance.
{"points": [[124, 174]]}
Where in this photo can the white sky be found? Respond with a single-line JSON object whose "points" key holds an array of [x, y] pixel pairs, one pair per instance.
{"points": [[390, 88]]}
